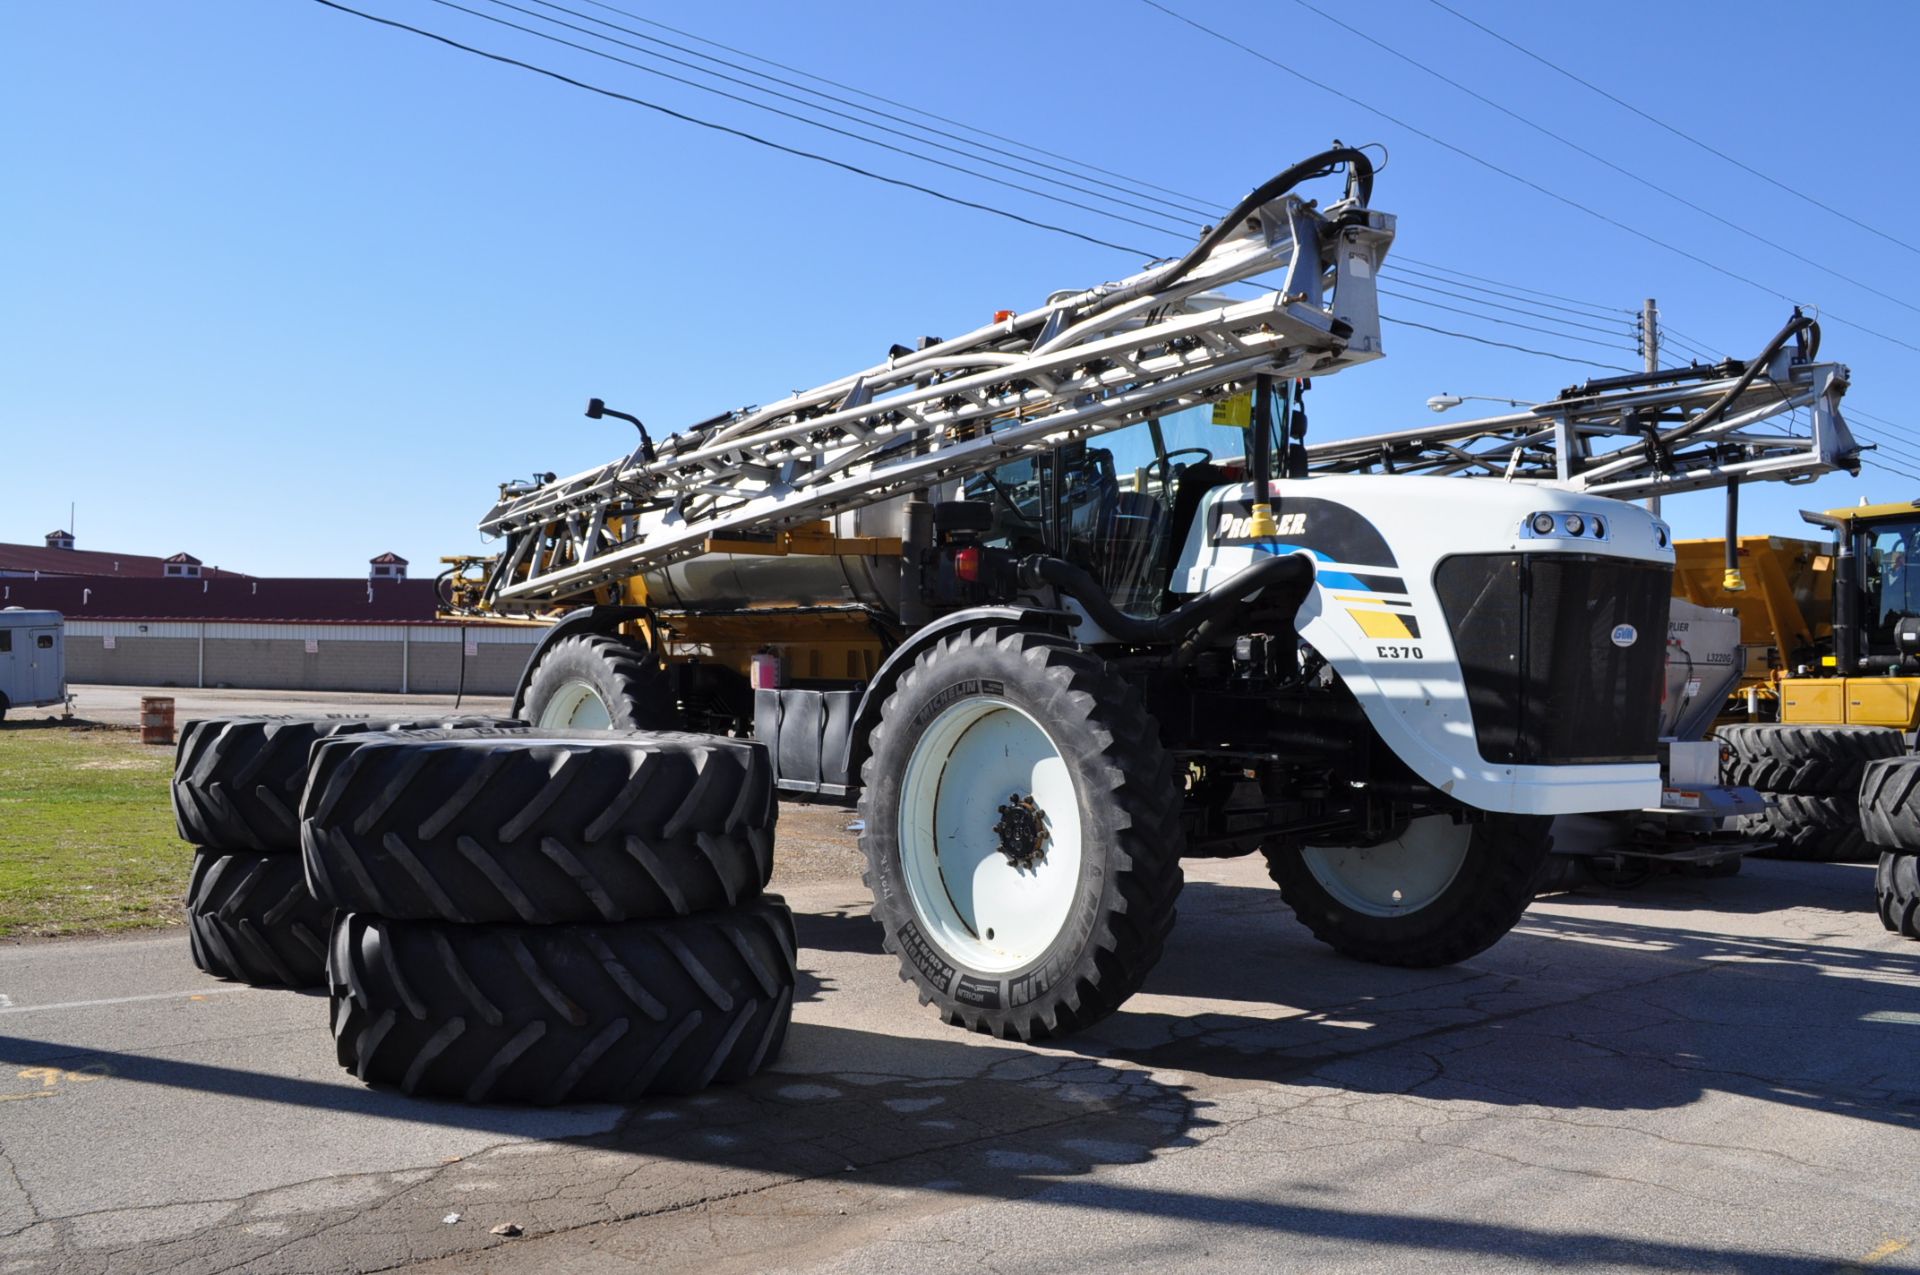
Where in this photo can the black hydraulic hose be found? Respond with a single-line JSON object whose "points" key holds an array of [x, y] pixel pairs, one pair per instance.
{"points": [[1732, 580], [1281, 570], [1797, 324], [1320, 165]]}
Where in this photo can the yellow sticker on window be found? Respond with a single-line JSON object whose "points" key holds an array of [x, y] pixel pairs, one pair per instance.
{"points": [[1237, 411]]}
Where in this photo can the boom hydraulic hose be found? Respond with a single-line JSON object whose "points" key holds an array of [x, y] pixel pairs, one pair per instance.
{"points": [[1290, 571]]}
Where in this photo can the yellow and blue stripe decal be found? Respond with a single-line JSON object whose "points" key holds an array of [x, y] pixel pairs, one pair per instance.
{"points": [[1349, 535], [1348, 586]]}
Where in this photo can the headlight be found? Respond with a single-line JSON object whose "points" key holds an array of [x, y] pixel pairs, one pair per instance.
{"points": [[1561, 525]]}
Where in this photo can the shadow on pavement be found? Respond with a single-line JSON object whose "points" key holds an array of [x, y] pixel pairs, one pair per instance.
{"points": [[1570, 1011]]}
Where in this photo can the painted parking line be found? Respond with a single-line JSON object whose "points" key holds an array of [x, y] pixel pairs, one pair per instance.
{"points": [[192, 994]]}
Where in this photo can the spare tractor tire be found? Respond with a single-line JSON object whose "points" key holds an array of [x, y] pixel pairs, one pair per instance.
{"points": [[1815, 761], [538, 827], [1439, 893], [594, 681], [1896, 887], [562, 1013], [1890, 804], [250, 919], [237, 780], [1812, 829]]}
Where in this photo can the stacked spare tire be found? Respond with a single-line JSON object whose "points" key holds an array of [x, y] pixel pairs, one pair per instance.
{"points": [[237, 783], [549, 916], [1811, 776], [1890, 818]]}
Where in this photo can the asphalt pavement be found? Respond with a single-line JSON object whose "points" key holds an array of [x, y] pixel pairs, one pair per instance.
{"points": [[1696, 1075]]}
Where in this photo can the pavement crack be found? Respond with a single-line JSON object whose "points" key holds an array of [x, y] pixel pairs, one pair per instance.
{"points": [[13, 1175]]}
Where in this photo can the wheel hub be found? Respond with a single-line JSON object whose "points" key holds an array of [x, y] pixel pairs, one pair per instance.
{"points": [[1022, 831]]}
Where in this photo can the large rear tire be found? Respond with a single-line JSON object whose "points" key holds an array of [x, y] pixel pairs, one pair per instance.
{"points": [[1810, 829], [237, 780], [592, 681], [1890, 804], [1814, 761], [1022, 834], [250, 919], [1440, 892], [562, 1013], [1896, 888], [527, 828]]}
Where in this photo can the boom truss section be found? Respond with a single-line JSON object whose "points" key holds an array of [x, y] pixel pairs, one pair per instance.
{"points": [[1080, 365], [1774, 419]]}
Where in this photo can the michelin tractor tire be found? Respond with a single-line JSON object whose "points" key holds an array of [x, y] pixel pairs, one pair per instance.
{"points": [[1889, 800], [538, 827], [237, 780], [1021, 831], [1442, 891], [549, 1014], [1809, 761], [1809, 829], [250, 919], [593, 681], [1896, 888]]}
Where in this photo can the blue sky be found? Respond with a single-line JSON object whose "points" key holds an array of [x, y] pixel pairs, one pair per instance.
{"points": [[287, 289]]}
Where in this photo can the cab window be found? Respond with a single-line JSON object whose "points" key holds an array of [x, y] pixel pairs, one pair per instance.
{"points": [[1892, 582]]}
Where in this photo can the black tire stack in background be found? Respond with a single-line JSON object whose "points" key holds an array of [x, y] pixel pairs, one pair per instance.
{"points": [[1890, 818], [236, 800], [1811, 777], [549, 916]]}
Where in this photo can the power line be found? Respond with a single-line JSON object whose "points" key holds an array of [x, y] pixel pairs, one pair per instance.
{"points": [[1688, 348], [1442, 274], [1511, 175], [1858, 411], [812, 123], [1687, 342], [1488, 318], [1135, 181], [1905, 451], [1401, 258], [560, 8], [1684, 136], [1504, 345], [1889, 467], [1181, 203], [1615, 332], [813, 106], [900, 182], [1884, 428], [1543, 130]]}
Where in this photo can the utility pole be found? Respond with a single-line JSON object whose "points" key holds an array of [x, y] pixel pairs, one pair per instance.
{"points": [[1650, 348]]}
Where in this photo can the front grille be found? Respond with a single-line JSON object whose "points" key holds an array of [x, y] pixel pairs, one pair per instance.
{"points": [[1546, 682]]}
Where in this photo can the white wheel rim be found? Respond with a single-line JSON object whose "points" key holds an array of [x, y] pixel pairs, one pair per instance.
{"points": [[576, 705], [969, 896], [1396, 877]]}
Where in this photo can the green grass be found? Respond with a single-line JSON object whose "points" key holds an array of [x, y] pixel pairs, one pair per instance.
{"points": [[87, 842]]}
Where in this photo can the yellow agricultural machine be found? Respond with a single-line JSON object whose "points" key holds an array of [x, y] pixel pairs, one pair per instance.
{"points": [[1830, 636]]}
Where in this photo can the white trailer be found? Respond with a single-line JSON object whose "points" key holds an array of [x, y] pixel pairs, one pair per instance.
{"points": [[33, 658]]}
